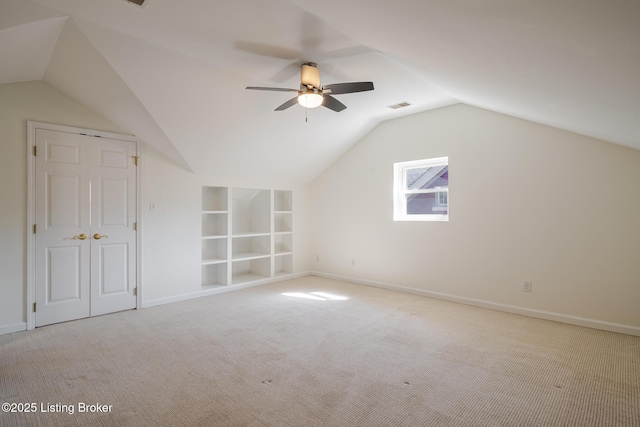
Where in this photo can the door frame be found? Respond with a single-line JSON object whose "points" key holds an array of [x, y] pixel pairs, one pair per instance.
{"points": [[31, 194]]}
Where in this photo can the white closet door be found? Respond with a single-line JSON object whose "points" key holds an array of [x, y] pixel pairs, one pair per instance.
{"points": [[113, 238], [63, 220], [85, 257]]}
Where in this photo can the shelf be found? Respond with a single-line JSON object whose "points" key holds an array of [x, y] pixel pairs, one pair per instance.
{"points": [[215, 224], [214, 275], [214, 199], [214, 249], [282, 201], [211, 261], [282, 221], [251, 246], [248, 234], [249, 256], [247, 277], [251, 211], [282, 243], [214, 212], [283, 264], [214, 237], [249, 270], [282, 253]]}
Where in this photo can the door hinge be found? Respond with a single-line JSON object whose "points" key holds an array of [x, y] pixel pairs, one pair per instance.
{"points": [[35, 150], [34, 307], [135, 291], [34, 228], [135, 159], [135, 226]]}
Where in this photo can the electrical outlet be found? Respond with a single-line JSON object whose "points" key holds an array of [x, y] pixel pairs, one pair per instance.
{"points": [[353, 262], [153, 206], [526, 286], [317, 258]]}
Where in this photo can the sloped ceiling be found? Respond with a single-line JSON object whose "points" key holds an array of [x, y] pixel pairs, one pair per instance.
{"points": [[174, 72]]}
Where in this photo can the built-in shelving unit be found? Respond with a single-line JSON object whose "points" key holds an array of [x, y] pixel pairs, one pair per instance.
{"points": [[215, 240], [247, 235], [283, 232]]}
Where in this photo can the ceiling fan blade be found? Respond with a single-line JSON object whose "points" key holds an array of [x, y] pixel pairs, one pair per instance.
{"points": [[267, 50], [333, 104], [289, 103], [273, 89], [339, 88]]}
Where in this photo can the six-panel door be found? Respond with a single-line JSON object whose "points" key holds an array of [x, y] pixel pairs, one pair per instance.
{"points": [[85, 213]]}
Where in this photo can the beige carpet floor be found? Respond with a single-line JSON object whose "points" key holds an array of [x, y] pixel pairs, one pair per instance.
{"points": [[318, 352]]}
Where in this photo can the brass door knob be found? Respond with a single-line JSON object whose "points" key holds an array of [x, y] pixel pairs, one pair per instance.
{"points": [[99, 236], [80, 236]]}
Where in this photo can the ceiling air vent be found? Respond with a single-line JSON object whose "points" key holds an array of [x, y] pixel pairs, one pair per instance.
{"points": [[398, 105], [136, 2]]}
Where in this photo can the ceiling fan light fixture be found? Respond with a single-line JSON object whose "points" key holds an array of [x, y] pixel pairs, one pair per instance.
{"points": [[310, 100]]}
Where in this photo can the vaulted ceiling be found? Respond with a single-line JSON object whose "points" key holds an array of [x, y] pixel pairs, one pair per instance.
{"points": [[174, 72]]}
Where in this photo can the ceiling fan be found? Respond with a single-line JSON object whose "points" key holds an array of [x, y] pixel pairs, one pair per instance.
{"points": [[312, 95]]}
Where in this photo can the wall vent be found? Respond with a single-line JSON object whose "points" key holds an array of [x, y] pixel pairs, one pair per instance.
{"points": [[398, 105], [136, 2]]}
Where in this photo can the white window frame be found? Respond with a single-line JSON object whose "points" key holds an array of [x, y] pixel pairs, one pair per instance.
{"points": [[401, 192], [446, 197]]}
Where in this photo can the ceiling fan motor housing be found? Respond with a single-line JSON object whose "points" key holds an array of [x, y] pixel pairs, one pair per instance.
{"points": [[310, 75]]}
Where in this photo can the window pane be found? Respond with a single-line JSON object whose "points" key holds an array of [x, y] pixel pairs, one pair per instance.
{"points": [[428, 204], [424, 178], [421, 190]]}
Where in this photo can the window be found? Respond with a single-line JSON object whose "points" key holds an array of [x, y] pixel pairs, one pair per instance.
{"points": [[421, 190]]}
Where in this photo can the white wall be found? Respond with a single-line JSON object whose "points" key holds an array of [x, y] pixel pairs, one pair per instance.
{"points": [[171, 234], [528, 202]]}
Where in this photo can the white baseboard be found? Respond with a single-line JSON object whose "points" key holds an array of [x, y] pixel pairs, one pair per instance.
{"points": [[9, 329], [540, 314], [221, 289]]}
